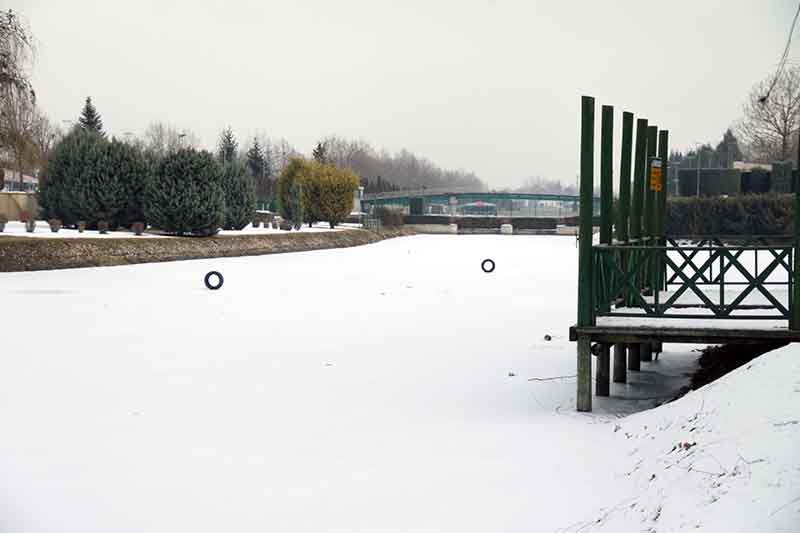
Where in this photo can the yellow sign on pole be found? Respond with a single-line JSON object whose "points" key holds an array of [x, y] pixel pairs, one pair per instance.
{"points": [[656, 182]]}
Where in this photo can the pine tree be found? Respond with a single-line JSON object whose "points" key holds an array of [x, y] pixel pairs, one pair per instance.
{"points": [[87, 179], [256, 162], [240, 195], [228, 146], [320, 153], [185, 196], [90, 119]]}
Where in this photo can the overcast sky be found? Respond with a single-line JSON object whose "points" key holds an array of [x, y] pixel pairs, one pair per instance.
{"points": [[489, 86]]}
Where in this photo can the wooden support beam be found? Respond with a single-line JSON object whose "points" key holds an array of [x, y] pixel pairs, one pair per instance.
{"points": [[636, 335], [620, 368], [584, 393], [634, 356], [646, 352], [602, 380]]}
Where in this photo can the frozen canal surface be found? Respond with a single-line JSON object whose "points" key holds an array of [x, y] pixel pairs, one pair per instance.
{"points": [[378, 388]]}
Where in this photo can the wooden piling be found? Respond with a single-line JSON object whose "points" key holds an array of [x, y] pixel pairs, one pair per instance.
{"points": [[624, 210], [646, 352], [620, 368], [602, 385], [584, 392], [634, 357], [585, 303]]}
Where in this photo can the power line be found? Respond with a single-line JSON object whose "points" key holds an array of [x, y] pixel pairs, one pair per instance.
{"points": [[782, 62]]}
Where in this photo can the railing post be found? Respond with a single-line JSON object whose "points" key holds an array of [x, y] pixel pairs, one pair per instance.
{"points": [[621, 349], [585, 304], [649, 197], [639, 161], [794, 311], [606, 173], [663, 154], [625, 177]]}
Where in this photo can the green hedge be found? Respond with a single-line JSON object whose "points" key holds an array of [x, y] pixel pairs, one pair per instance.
{"points": [[750, 214]]}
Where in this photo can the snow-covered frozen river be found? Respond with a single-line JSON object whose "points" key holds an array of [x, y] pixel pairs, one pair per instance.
{"points": [[379, 388]]}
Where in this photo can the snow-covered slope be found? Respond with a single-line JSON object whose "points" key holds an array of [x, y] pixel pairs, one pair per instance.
{"points": [[723, 458]]}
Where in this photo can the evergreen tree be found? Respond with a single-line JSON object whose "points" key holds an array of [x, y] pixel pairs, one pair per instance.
{"points": [[86, 177], [186, 196], [228, 147], [256, 161], [240, 195], [296, 192], [90, 119], [133, 170], [296, 172], [728, 149], [320, 153]]}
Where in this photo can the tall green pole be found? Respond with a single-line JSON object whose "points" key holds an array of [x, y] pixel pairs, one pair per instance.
{"points": [[585, 229], [625, 177], [794, 321], [606, 173], [649, 197], [585, 318], [621, 349], [603, 374], [661, 196], [639, 164]]}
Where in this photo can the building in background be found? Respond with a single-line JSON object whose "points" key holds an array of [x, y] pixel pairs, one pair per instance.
{"points": [[11, 182]]}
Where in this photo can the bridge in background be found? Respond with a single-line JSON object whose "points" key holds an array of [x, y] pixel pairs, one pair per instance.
{"points": [[469, 203]]}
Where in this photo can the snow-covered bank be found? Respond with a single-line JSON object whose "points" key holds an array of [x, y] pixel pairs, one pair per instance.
{"points": [[377, 388], [723, 458], [42, 230]]}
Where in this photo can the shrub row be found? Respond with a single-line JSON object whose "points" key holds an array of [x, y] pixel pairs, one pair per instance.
{"points": [[91, 179], [750, 214]]}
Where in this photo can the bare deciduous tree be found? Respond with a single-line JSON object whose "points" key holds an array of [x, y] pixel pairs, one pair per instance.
{"points": [[16, 54], [18, 117], [771, 119], [163, 139]]}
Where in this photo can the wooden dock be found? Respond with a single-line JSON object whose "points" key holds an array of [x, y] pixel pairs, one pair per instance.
{"points": [[639, 288]]}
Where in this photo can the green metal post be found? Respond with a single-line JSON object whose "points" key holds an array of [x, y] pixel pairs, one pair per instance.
{"points": [[661, 202], [585, 318], [606, 173], [640, 160], [663, 154], [623, 212], [603, 374], [794, 312], [649, 197], [625, 177]]}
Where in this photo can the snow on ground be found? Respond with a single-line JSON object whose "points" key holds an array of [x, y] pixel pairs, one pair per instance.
{"points": [[378, 388], [723, 458], [17, 229], [42, 230]]}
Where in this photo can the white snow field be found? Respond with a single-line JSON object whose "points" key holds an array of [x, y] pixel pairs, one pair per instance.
{"points": [[370, 389]]}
